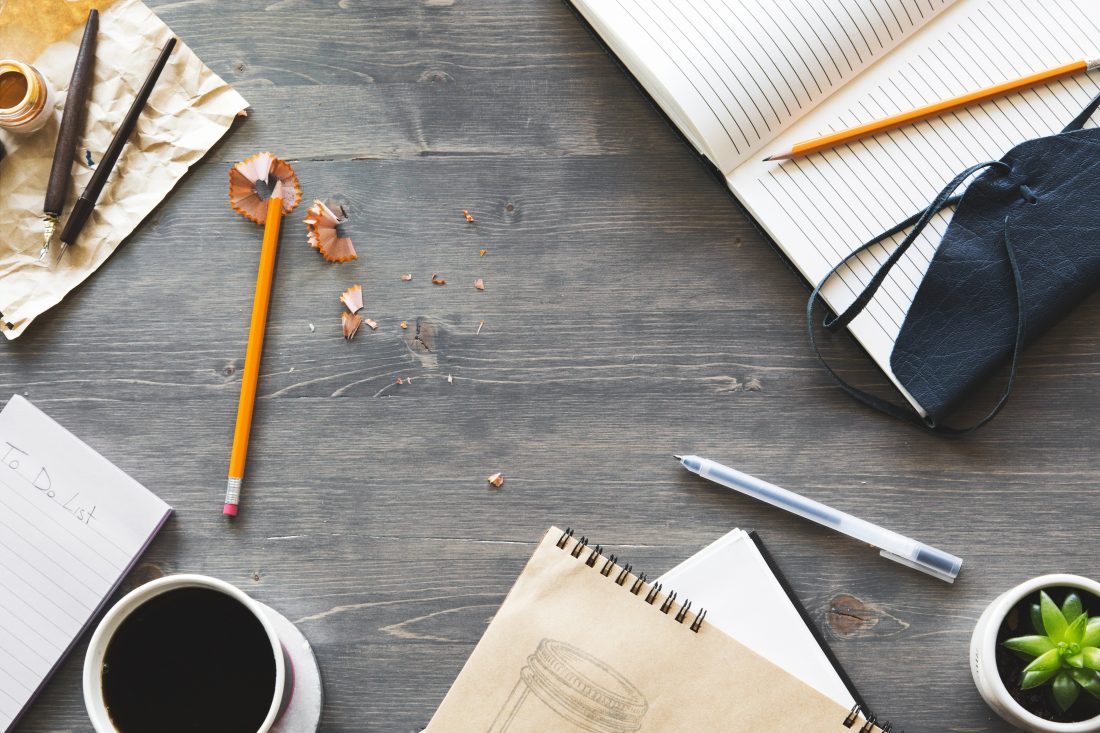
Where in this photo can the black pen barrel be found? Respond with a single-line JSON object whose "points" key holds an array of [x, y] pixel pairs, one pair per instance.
{"points": [[72, 119], [84, 206]]}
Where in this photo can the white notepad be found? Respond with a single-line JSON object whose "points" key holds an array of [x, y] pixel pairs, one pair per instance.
{"points": [[71, 526], [743, 598], [746, 78]]}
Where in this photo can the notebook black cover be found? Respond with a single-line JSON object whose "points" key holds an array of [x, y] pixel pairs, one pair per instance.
{"points": [[785, 584]]}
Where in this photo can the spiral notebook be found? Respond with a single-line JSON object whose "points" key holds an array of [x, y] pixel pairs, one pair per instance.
{"points": [[743, 79], [582, 644]]}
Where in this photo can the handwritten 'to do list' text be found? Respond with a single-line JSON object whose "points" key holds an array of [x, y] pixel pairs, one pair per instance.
{"points": [[16, 460]]}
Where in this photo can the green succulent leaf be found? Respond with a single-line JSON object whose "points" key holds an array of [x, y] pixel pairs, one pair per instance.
{"points": [[1053, 620], [1088, 679], [1037, 619], [1076, 630], [1046, 662], [1092, 633], [1034, 679], [1072, 607], [1091, 657], [1075, 660], [1065, 690], [1032, 646]]}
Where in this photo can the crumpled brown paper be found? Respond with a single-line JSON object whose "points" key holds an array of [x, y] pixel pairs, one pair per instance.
{"points": [[574, 651], [190, 110]]}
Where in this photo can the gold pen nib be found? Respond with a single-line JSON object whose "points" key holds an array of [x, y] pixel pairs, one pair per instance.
{"points": [[49, 228]]}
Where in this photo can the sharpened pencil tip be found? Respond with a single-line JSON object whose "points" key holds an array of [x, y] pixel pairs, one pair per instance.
{"points": [[769, 159], [679, 458]]}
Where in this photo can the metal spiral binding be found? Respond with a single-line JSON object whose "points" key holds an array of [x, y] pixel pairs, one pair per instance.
{"points": [[869, 723], [595, 553]]}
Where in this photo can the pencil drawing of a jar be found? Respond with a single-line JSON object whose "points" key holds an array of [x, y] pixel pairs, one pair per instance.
{"points": [[564, 684]]}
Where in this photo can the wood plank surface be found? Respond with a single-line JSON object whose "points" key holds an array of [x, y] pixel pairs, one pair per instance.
{"points": [[630, 312]]}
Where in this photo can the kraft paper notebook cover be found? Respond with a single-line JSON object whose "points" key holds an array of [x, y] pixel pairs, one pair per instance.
{"points": [[583, 645], [742, 79]]}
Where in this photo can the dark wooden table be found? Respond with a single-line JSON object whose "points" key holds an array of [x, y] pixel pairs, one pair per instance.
{"points": [[629, 311]]}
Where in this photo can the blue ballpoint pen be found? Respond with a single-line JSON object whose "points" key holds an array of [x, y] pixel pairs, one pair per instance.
{"points": [[892, 545]]}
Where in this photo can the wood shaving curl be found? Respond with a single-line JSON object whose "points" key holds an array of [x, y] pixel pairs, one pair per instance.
{"points": [[351, 323], [479, 284], [437, 280], [468, 215], [496, 480]]}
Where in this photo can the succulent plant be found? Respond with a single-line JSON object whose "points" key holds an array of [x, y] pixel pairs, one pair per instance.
{"points": [[1065, 652]]}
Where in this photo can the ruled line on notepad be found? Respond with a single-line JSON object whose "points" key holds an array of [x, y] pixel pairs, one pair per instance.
{"points": [[22, 642], [28, 523], [33, 630], [41, 554], [91, 548]]}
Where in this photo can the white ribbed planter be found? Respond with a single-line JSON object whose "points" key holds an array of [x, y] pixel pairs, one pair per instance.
{"points": [[983, 660]]}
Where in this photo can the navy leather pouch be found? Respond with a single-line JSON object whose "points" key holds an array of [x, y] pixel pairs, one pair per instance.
{"points": [[1020, 252]]}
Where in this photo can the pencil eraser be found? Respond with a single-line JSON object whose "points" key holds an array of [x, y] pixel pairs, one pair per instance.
{"points": [[229, 510]]}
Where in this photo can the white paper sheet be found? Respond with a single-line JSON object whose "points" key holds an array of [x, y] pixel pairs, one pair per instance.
{"points": [[732, 581]]}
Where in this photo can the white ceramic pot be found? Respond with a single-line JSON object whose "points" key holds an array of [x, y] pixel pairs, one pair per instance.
{"points": [[97, 648], [983, 662]]}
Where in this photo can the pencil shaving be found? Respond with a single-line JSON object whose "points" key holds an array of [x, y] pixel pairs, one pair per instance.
{"points": [[373, 325], [496, 480], [258, 178], [437, 280], [407, 276], [325, 231], [479, 284], [352, 298], [404, 324], [468, 215], [351, 323]]}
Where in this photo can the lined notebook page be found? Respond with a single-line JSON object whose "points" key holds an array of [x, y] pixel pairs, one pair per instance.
{"points": [[71, 526], [822, 207], [735, 73]]}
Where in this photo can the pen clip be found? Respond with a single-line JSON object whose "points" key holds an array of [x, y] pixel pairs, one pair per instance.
{"points": [[935, 573]]}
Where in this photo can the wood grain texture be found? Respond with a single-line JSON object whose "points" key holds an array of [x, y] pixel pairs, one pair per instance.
{"points": [[629, 312]]}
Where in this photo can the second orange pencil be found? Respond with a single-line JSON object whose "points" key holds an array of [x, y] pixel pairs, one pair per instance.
{"points": [[907, 118]]}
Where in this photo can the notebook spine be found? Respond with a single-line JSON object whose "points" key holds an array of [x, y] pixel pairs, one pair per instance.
{"points": [[606, 565], [870, 723]]}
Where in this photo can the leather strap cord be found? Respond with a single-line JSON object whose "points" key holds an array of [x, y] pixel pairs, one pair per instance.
{"points": [[918, 222]]}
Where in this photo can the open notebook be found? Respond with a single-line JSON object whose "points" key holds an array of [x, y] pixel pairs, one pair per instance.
{"points": [[71, 526], [746, 78]]}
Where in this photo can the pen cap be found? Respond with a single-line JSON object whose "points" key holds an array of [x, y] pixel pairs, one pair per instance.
{"points": [[938, 564]]}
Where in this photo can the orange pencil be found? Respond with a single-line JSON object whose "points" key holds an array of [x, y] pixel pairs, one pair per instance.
{"points": [[263, 189], [905, 118]]}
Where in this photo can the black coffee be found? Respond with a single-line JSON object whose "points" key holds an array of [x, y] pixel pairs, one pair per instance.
{"points": [[191, 660]]}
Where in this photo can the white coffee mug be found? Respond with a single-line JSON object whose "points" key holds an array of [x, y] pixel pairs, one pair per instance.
{"points": [[93, 662]]}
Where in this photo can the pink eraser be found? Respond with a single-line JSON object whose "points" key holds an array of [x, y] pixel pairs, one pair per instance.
{"points": [[229, 510]]}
